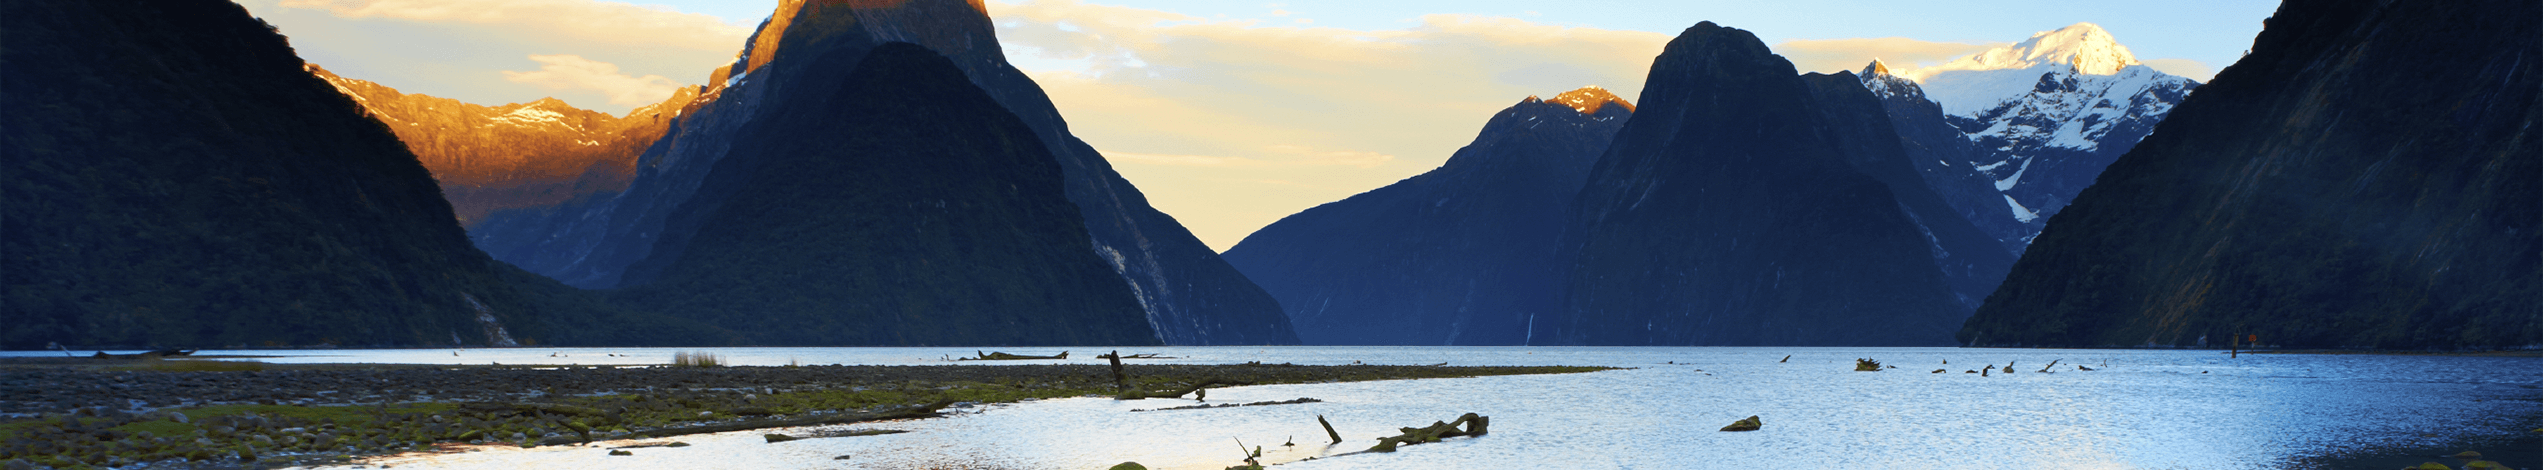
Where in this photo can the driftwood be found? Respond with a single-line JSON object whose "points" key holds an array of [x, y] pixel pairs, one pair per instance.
{"points": [[1328, 429], [148, 355], [922, 411], [1233, 405], [1476, 425], [1205, 383], [1119, 355], [1000, 356]]}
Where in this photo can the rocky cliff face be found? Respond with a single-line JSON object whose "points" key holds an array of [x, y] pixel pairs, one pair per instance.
{"points": [[176, 178], [1463, 254], [516, 156], [2365, 177], [2043, 117], [1189, 295], [901, 206], [1734, 209]]}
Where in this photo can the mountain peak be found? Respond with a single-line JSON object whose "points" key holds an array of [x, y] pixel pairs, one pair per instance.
{"points": [[2084, 46], [1875, 69], [1589, 99]]}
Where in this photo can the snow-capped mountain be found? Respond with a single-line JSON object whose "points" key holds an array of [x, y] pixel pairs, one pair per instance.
{"points": [[2048, 114]]}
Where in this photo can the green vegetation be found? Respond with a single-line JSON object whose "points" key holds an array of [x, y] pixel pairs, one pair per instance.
{"points": [[696, 359]]}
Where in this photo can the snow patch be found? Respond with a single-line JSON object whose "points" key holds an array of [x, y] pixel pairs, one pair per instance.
{"points": [[2020, 213]]}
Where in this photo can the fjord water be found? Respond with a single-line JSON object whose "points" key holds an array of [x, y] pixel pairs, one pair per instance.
{"points": [[2138, 409]]}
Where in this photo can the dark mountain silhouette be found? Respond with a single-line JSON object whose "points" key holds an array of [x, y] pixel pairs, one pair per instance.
{"points": [[1463, 254], [2366, 177], [901, 206], [176, 178], [1742, 205], [1189, 295]]}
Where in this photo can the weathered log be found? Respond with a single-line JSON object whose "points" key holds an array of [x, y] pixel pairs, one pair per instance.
{"points": [[1475, 425], [1328, 429]]}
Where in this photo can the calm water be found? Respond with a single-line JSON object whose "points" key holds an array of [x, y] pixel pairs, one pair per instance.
{"points": [[2141, 409]]}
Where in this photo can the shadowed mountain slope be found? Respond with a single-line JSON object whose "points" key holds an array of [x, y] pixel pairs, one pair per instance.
{"points": [[2370, 176], [902, 206], [176, 178], [1734, 209], [1463, 254]]}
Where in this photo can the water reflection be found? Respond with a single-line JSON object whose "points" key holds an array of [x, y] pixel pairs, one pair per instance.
{"points": [[2140, 409]]}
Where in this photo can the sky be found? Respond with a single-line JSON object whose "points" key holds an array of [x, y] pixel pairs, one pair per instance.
{"points": [[1231, 114]]}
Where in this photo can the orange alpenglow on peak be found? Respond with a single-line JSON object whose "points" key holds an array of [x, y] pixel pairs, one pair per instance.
{"points": [[1877, 68], [1588, 99]]}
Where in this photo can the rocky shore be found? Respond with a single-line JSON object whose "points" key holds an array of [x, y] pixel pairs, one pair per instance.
{"points": [[205, 414]]}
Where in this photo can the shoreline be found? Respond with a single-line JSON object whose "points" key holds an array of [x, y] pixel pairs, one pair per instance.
{"points": [[189, 414]]}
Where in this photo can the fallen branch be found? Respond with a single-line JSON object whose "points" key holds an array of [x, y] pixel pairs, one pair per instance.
{"points": [[923, 411], [1233, 405], [1475, 426], [1000, 356]]}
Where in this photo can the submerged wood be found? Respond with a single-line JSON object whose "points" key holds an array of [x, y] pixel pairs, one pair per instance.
{"points": [[1233, 405], [1000, 356], [148, 355], [1475, 425], [922, 411]]}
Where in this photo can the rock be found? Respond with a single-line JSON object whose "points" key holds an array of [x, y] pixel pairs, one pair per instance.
{"points": [[1129, 466], [1938, 371], [178, 417], [776, 438], [843, 457], [620, 452], [2484, 465], [1750, 424]]}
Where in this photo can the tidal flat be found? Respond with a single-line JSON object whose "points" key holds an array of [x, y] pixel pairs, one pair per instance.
{"points": [[196, 413], [1642, 407]]}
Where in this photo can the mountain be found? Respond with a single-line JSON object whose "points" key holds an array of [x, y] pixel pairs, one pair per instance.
{"points": [[2365, 178], [176, 178], [902, 206], [516, 156], [1746, 205], [1945, 158], [1189, 295], [2046, 115], [1462, 254]]}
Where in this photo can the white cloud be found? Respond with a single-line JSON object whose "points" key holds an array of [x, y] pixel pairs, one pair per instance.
{"points": [[1231, 124], [571, 72], [2192, 69], [606, 22], [1831, 55]]}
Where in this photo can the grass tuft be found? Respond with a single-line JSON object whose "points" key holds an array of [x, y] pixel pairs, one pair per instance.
{"points": [[696, 359]]}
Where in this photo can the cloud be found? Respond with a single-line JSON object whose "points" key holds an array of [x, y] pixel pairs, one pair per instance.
{"points": [[1205, 114], [605, 22], [572, 72], [1831, 55], [2192, 69]]}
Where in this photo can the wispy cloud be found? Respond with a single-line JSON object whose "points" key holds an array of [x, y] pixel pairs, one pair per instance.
{"points": [[572, 72], [1831, 55], [608, 22], [1203, 114]]}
